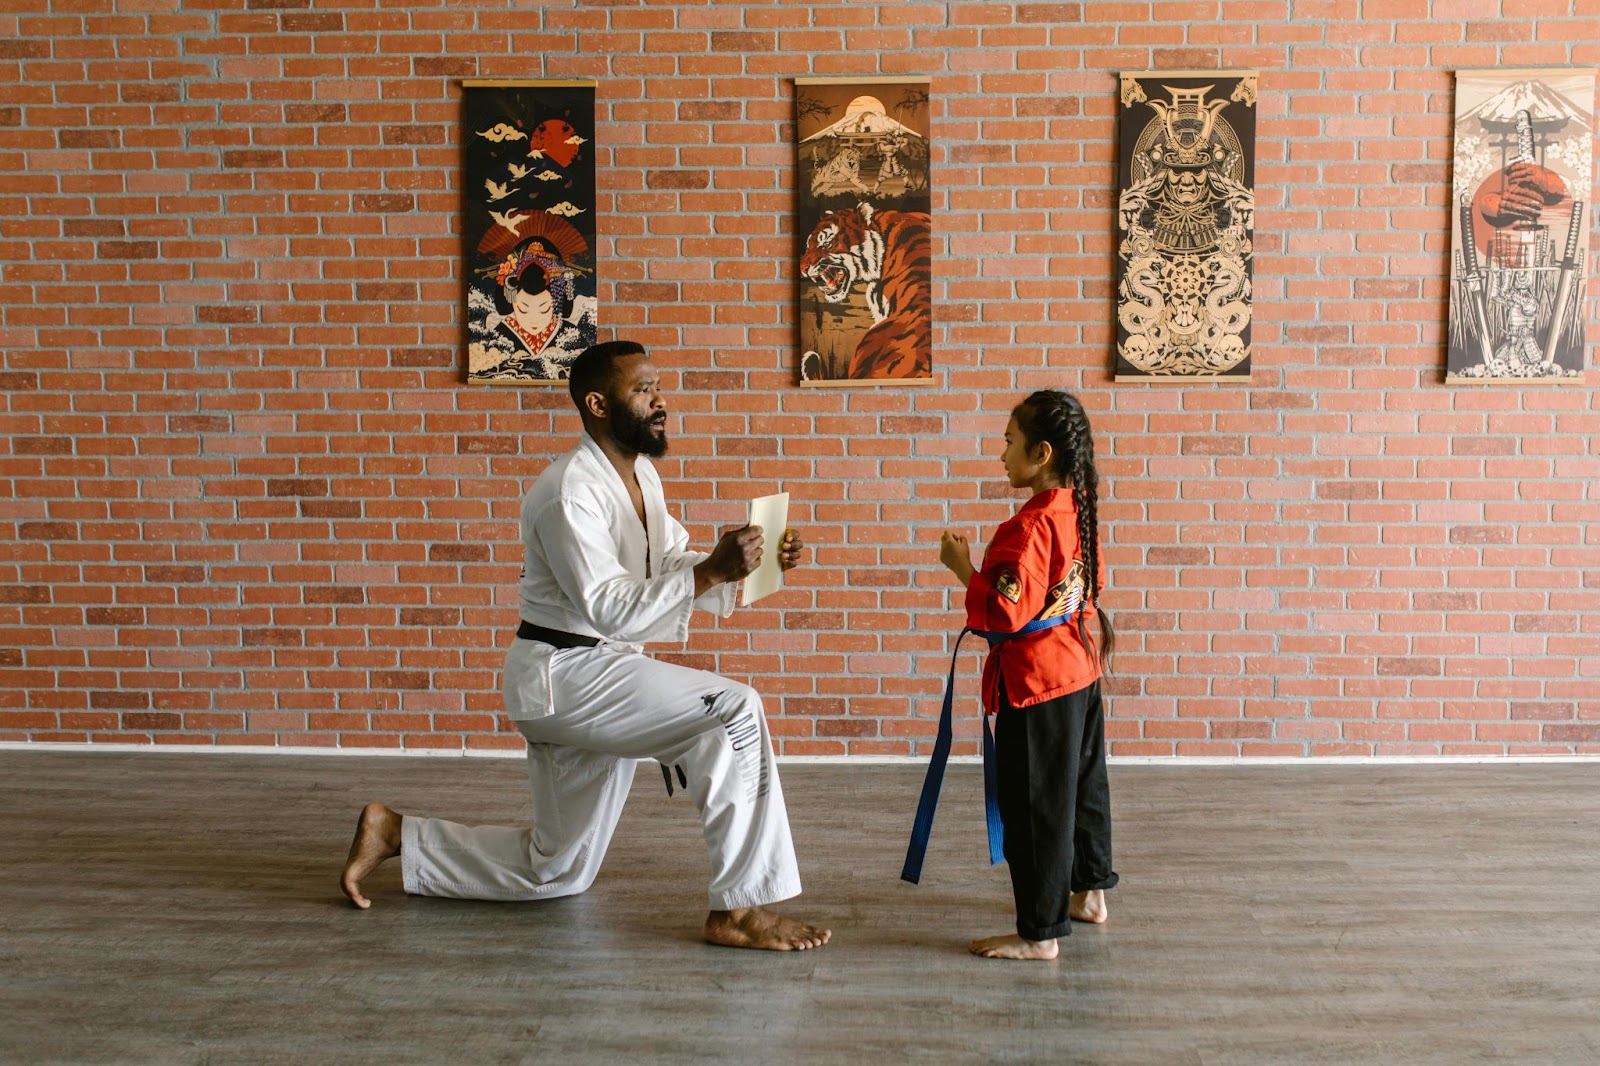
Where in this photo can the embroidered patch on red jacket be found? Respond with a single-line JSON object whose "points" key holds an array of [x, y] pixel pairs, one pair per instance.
{"points": [[1007, 584], [1066, 596]]}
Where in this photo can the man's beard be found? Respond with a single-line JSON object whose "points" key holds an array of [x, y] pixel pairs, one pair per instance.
{"points": [[647, 436]]}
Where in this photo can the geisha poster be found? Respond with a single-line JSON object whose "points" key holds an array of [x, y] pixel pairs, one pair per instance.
{"points": [[1186, 225], [1524, 150], [866, 265], [529, 228]]}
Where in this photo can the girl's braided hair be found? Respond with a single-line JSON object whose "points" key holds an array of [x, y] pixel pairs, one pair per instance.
{"points": [[1057, 417]]}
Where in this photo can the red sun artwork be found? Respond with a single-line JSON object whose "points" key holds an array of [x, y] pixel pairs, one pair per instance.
{"points": [[555, 139], [1514, 197]]}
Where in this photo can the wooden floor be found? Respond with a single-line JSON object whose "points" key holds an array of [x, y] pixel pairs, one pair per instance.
{"points": [[184, 909]]}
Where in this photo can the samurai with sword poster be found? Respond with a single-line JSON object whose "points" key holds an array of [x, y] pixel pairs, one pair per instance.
{"points": [[1523, 151]]}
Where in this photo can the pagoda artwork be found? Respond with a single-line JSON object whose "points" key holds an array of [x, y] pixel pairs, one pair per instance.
{"points": [[1524, 145], [1186, 225]]}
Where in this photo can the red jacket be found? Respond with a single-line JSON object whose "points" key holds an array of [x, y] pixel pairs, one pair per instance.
{"points": [[1033, 568]]}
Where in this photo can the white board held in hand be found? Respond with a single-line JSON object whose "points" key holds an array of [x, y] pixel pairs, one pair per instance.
{"points": [[771, 513]]}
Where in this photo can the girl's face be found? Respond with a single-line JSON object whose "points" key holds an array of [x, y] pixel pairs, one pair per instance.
{"points": [[1028, 466]]}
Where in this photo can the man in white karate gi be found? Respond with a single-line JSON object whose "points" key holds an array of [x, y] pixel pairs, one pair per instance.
{"points": [[605, 570]]}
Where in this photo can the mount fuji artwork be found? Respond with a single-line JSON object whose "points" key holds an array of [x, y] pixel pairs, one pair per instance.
{"points": [[1524, 149], [866, 268]]}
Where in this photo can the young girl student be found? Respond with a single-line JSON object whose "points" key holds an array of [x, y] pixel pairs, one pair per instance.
{"points": [[1043, 687]]}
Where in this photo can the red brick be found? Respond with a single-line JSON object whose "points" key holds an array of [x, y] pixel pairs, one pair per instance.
{"points": [[401, 679], [678, 179], [1049, 13]]}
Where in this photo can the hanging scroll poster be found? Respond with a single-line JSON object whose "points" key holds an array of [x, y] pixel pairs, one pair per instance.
{"points": [[866, 270], [1524, 155], [1186, 219], [530, 229]]}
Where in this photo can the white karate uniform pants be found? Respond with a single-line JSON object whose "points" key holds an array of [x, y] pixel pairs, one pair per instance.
{"points": [[612, 708]]}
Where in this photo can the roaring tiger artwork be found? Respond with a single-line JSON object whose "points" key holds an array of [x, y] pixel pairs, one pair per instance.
{"points": [[889, 253]]}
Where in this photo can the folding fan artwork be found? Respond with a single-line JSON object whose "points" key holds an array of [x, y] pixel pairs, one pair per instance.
{"points": [[530, 229]]}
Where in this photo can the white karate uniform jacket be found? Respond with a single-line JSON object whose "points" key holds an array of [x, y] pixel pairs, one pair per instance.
{"points": [[589, 568]]}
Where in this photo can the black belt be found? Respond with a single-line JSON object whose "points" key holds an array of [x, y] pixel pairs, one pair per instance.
{"points": [[555, 638]]}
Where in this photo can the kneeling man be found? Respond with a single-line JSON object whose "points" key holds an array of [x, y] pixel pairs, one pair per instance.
{"points": [[606, 569]]}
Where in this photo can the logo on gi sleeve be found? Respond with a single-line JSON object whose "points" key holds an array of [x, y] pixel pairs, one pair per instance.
{"points": [[1067, 596], [1007, 584]]}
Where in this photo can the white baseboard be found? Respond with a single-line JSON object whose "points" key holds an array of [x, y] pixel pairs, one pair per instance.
{"points": [[805, 760], [263, 749]]}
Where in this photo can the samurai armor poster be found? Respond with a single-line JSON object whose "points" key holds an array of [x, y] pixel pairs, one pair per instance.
{"points": [[1524, 161], [866, 266], [529, 225], [1186, 223]]}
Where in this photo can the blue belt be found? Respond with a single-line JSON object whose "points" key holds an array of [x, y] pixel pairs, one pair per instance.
{"points": [[922, 827]]}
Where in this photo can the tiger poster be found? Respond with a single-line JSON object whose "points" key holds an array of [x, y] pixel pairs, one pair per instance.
{"points": [[529, 225], [866, 267], [1519, 240], [1186, 225]]}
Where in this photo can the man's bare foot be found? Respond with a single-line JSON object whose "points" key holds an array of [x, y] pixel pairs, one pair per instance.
{"points": [[1088, 906], [1013, 946], [377, 839], [757, 927]]}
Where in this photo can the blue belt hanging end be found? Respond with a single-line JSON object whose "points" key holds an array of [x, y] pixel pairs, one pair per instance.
{"points": [[922, 826], [991, 798]]}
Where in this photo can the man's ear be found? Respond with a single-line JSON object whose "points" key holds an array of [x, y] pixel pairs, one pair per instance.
{"points": [[595, 404]]}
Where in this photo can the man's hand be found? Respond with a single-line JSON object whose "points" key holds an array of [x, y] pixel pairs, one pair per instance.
{"points": [[956, 555], [789, 550], [738, 552]]}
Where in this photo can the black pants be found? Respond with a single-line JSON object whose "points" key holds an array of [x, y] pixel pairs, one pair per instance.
{"points": [[1055, 802]]}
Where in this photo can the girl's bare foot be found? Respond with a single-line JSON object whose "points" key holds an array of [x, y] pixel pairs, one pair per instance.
{"points": [[757, 927], [377, 839], [1013, 946], [1088, 906]]}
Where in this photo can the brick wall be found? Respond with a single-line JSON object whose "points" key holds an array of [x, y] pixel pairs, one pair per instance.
{"points": [[247, 500]]}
